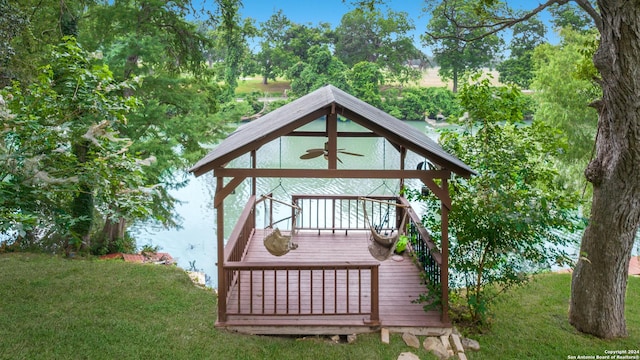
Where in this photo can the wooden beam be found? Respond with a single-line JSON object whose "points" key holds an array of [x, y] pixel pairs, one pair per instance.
{"points": [[264, 140], [441, 192], [332, 173], [340, 134], [223, 192], [332, 132]]}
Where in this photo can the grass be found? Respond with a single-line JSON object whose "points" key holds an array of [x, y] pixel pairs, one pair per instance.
{"points": [[430, 78], [273, 88], [531, 323], [54, 308]]}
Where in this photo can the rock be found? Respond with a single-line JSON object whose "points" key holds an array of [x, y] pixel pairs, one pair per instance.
{"points": [[408, 356], [457, 345], [384, 335], [411, 340], [335, 338], [436, 347], [352, 338], [470, 344], [447, 345]]}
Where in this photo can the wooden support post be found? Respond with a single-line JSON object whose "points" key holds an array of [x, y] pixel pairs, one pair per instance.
{"points": [[375, 301], [222, 283], [254, 165], [444, 271], [403, 157], [332, 141]]}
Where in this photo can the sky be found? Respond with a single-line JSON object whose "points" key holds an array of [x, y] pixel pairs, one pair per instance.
{"points": [[331, 11]]}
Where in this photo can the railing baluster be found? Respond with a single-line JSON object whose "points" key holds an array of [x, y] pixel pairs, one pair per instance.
{"points": [[348, 294], [335, 290], [359, 290], [299, 294], [311, 289], [323, 287]]}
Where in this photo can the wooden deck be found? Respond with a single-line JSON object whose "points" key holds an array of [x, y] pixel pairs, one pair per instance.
{"points": [[400, 284]]}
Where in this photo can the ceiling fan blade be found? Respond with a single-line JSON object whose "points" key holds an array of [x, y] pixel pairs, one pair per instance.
{"points": [[349, 153], [311, 155], [315, 150]]}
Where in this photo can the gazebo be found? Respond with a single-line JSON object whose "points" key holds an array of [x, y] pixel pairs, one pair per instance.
{"points": [[330, 284]]}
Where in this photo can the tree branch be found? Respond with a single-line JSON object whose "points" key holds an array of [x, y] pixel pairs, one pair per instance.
{"points": [[593, 13], [502, 24]]}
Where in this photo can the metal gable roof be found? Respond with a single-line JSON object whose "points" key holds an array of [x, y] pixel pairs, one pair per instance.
{"points": [[315, 104]]}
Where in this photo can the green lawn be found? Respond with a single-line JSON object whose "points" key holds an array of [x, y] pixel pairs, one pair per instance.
{"points": [[273, 88], [531, 323], [53, 308]]}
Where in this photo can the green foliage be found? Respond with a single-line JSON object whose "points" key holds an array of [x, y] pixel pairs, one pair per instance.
{"points": [[369, 35], [365, 79], [458, 40], [518, 68], [504, 221], [416, 103], [283, 43], [63, 158], [571, 16], [322, 69], [564, 84], [154, 42]]}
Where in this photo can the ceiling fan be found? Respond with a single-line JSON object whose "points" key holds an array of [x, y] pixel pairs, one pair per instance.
{"points": [[314, 153]]}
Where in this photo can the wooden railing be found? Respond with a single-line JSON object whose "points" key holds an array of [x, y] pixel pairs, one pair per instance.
{"points": [[428, 256], [331, 288], [235, 250], [305, 289], [344, 212]]}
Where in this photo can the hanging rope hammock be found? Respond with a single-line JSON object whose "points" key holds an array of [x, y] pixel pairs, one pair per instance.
{"points": [[381, 246], [276, 242]]}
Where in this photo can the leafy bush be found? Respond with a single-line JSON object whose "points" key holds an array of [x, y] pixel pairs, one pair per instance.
{"points": [[415, 103], [504, 222]]}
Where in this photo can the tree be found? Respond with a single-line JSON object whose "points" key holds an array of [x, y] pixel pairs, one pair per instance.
{"points": [[153, 41], [599, 279], [29, 28], [365, 79], [457, 43], [518, 68], [273, 60], [12, 23], [284, 43], [503, 220], [322, 68], [64, 158], [233, 38], [563, 96], [368, 35], [570, 16]]}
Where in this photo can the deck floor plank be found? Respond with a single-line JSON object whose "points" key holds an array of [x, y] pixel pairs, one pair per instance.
{"points": [[400, 284]]}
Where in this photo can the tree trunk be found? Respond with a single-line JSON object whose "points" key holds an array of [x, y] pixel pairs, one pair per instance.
{"points": [[455, 80], [113, 229], [600, 278]]}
